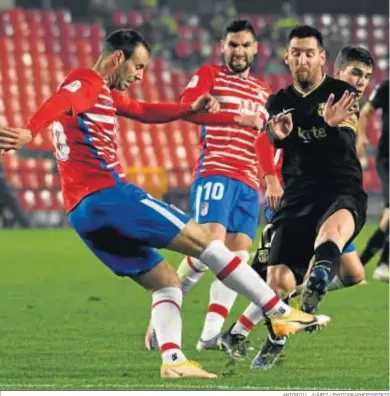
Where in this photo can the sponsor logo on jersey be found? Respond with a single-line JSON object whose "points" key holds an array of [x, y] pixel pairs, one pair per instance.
{"points": [[194, 82], [247, 106], [312, 134]]}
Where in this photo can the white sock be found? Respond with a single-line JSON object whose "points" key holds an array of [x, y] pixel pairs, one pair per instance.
{"points": [[221, 300], [166, 321], [336, 284], [248, 320], [239, 276], [190, 272]]}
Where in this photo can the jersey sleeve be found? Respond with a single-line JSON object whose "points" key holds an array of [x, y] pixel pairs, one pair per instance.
{"points": [[77, 94], [265, 152], [202, 82], [377, 97], [152, 113], [81, 89]]}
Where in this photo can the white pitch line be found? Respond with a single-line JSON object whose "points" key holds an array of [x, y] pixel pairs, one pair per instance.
{"points": [[161, 386]]}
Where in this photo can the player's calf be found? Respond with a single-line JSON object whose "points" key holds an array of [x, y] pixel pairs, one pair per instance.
{"points": [[331, 239], [221, 301]]}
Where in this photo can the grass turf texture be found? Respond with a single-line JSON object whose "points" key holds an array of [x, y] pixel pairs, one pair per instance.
{"points": [[68, 323]]}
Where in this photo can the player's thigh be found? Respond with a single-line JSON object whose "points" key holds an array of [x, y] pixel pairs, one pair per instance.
{"points": [[216, 229], [121, 224], [192, 240], [211, 199], [124, 256], [293, 246], [238, 241], [351, 269], [160, 276], [342, 221], [244, 213], [142, 217]]}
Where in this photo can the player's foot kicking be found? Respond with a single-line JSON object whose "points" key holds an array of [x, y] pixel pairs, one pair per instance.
{"points": [[381, 273], [151, 343], [315, 290], [187, 369], [212, 343], [235, 345], [286, 325]]}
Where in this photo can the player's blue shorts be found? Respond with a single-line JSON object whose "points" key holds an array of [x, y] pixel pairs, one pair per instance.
{"points": [[122, 225], [269, 214], [223, 200]]}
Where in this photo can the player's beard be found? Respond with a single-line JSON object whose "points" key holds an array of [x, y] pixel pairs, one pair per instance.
{"points": [[240, 68], [305, 79]]}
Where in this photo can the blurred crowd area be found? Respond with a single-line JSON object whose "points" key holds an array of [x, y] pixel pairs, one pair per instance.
{"points": [[40, 45]]}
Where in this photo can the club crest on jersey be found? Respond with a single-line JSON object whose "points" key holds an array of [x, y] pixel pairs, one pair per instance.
{"points": [[321, 108], [204, 209], [247, 106], [73, 86]]}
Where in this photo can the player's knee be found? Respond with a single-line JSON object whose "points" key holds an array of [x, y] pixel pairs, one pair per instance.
{"points": [[332, 234], [353, 279], [351, 269]]}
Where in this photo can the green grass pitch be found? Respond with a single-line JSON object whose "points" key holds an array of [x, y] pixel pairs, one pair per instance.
{"points": [[68, 323]]}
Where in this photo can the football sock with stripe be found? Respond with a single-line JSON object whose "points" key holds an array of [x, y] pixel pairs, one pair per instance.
{"points": [[167, 323]]}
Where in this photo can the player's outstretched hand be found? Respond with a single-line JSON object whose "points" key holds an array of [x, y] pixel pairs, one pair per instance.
{"points": [[335, 113], [206, 102], [281, 125], [13, 138], [255, 121]]}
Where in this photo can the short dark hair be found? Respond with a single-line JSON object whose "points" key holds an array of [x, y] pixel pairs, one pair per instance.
{"points": [[239, 25], [305, 31], [125, 40], [352, 53]]}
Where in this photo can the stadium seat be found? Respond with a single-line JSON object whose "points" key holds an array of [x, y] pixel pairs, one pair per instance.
{"points": [[51, 45]]}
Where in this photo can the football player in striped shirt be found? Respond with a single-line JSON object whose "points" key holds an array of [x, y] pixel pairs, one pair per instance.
{"points": [[119, 222]]}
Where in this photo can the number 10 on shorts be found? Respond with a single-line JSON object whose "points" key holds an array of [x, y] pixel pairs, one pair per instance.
{"points": [[210, 191]]}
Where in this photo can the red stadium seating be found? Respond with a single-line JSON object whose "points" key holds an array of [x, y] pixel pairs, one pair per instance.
{"points": [[39, 47]]}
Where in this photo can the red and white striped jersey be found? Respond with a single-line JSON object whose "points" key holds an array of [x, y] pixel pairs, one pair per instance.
{"points": [[85, 143], [228, 151]]}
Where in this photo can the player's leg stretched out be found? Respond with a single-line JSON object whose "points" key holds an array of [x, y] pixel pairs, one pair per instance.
{"points": [[194, 240], [222, 206]]}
